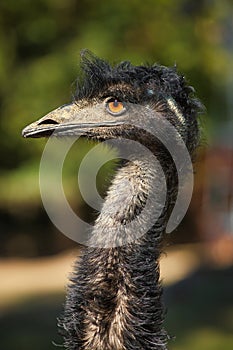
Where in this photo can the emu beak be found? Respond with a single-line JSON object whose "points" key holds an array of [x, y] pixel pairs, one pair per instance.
{"points": [[46, 125], [68, 120]]}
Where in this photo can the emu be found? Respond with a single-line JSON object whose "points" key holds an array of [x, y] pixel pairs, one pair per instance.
{"points": [[114, 299]]}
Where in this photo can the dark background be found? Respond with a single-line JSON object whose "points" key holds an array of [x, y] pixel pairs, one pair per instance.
{"points": [[40, 43]]}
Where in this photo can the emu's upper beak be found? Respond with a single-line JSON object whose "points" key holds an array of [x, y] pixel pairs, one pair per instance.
{"points": [[69, 119]]}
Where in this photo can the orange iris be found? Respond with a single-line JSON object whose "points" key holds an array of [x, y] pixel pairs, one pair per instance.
{"points": [[115, 106]]}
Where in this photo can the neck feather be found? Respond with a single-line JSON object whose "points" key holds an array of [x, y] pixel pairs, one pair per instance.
{"points": [[114, 299]]}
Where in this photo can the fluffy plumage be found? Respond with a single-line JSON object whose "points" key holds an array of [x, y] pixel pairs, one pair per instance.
{"points": [[114, 299]]}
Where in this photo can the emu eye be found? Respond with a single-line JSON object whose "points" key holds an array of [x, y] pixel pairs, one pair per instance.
{"points": [[114, 106]]}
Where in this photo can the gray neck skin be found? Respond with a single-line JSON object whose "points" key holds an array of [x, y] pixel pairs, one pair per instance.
{"points": [[114, 300]]}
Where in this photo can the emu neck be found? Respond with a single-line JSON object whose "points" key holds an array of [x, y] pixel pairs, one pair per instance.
{"points": [[114, 300], [134, 202]]}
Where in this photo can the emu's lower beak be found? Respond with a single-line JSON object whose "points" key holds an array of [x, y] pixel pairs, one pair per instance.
{"points": [[67, 120]]}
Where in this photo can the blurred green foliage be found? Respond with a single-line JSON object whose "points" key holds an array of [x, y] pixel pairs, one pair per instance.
{"points": [[39, 51], [40, 42]]}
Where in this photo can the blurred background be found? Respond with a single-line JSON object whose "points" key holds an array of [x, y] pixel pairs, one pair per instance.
{"points": [[40, 42]]}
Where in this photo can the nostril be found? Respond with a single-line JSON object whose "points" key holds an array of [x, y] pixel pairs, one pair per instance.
{"points": [[48, 121]]}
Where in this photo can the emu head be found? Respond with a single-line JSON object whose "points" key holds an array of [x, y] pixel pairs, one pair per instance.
{"points": [[112, 100]]}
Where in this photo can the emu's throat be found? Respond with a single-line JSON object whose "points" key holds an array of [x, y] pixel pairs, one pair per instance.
{"points": [[133, 204]]}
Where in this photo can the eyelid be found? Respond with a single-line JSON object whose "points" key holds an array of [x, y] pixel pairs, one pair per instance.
{"points": [[111, 98]]}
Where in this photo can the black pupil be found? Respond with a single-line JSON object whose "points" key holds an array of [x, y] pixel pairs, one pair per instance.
{"points": [[115, 103]]}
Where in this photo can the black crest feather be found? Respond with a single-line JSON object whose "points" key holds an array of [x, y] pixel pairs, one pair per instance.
{"points": [[98, 75], [145, 83]]}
